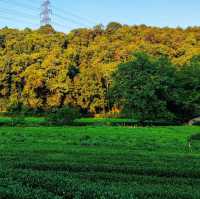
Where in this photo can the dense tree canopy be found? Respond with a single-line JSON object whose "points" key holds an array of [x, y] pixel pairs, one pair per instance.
{"points": [[43, 68], [187, 93], [143, 86], [149, 88]]}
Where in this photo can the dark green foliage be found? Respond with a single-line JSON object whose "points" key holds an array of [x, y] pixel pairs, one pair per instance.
{"points": [[113, 26], [149, 88], [15, 109], [18, 120], [187, 93], [63, 116], [2, 41], [22, 120], [7, 120], [143, 87], [197, 123], [73, 71], [19, 109]]}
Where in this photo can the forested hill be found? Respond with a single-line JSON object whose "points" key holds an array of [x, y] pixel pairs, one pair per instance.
{"points": [[44, 68]]}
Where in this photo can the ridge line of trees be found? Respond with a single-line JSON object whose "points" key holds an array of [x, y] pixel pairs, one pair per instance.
{"points": [[43, 69]]}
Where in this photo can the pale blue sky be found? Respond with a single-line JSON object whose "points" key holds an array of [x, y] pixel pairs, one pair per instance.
{"points": [[69, 14]]}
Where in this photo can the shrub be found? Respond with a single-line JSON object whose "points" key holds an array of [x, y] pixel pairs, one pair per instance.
{"points": [[15, 108], [63, 116], [20, 109], [19, 120]]}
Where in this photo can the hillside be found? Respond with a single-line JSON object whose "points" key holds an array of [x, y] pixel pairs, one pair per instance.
{"points": [[44, 68]]}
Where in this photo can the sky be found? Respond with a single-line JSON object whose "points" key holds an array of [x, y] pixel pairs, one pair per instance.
{"points": [[70, 14]]}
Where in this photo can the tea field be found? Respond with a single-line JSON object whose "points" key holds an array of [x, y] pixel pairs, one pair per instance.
{"points": [[99, 163]]}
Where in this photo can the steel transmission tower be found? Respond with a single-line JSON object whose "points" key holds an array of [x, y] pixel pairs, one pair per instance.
{"points": [[46, 13]]}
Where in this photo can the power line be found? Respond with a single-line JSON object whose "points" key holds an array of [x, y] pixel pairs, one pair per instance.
{"points": [[46, 9], [69, 19], [74, 15], [19, 5], [46, 15], [69, 16], [14, 12], [10, 19], [61, 26], [19, 16]]}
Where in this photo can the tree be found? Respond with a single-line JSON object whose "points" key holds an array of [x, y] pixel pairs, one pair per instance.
{"points": [[47, 29], [113, 26], [187, 93], [44, 68], [142, 87]]}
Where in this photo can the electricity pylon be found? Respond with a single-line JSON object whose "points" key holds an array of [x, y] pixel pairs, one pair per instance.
{"points": [[46, 13]]}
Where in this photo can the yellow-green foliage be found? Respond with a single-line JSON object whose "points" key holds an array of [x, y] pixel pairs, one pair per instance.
{"points": [[44, 68]]}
